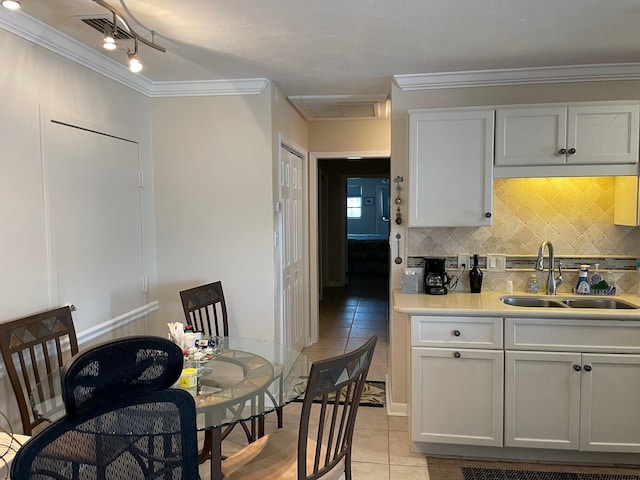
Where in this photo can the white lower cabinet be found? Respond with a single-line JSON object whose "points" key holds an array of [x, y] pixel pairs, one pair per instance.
{"points": [[457, 396], [609, 397], [542, 400], [553, 383], [572, 400], [457, 379]]}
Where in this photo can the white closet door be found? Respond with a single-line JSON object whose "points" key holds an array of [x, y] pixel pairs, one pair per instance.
{"points": [[291, 190], [92, 190]]}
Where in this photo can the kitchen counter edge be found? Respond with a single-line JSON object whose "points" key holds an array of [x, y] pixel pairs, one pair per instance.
{"points": [[488, 304]]}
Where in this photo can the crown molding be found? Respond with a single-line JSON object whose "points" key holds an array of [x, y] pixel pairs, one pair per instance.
{"points": [[239, 86], [41, 34], [519, 76]]}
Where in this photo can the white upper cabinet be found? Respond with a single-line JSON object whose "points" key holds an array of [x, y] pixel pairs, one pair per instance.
{"points": [[450, 167], [570, 139]]}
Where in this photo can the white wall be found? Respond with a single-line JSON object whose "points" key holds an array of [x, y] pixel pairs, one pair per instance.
{"points": [[34, 80], [214, 205]]}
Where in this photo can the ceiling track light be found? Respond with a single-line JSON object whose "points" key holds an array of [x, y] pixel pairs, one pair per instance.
{"points": [[109, 41], [11, 4], [134, 64]]}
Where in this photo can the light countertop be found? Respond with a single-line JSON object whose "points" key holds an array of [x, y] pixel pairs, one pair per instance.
{"points": [[488, 304]]}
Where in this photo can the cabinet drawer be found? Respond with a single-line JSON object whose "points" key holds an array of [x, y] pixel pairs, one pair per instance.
{"points": [[464, 332], [553, 334]]}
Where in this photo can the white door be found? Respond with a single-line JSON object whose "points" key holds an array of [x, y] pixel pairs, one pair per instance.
{"points": [[450, 168], [92, 189], [292, 245], [542, 399], [530, 135], [603, 134], [457, 396], [610, 420]]}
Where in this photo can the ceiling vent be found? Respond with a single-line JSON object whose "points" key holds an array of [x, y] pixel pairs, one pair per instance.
{"points": [[334, 107], [99, 23]]}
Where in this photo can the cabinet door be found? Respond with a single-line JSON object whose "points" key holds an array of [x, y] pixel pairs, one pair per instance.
{"points": [[603, 134], [610, 420], [457, 396], [626, 201], [542, 399], [450, 168], [530, 135]]}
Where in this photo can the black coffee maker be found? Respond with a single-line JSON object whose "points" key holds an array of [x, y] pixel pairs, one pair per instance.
{"points": [[435, 278]]}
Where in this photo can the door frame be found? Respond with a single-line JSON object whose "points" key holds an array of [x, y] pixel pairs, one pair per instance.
{"points": [[312, 191]]}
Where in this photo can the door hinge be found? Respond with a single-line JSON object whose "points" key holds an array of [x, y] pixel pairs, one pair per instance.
{"points": [[145, 284], [140, 179]]}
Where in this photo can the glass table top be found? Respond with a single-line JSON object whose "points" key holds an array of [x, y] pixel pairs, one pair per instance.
{"points": [[248, 379]]}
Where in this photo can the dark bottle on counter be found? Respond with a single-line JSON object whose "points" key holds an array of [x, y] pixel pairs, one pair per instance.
{"points": [[475, 276]]}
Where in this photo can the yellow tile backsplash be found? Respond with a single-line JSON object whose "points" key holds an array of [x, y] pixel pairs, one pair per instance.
{"points": [[575, 214]]}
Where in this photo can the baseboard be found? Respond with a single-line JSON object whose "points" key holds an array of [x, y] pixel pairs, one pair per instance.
{"points": [[393, 409]]}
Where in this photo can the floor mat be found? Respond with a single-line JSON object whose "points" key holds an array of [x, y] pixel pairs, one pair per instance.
{"points": [[441, 468], [372, 396], [473, 473]]}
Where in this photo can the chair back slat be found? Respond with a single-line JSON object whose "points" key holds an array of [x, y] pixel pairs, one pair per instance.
{"points": [[205, 308], [32, 347], [337, 383]]}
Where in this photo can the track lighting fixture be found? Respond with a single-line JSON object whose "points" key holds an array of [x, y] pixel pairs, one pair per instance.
{"points": [[109, 41], [134, 64], [11, 4]]}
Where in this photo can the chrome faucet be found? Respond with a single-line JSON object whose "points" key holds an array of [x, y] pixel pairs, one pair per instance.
{"points": [[552, 283]]}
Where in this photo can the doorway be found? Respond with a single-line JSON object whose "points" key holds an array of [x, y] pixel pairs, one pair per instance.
{"points": [[328, 206]]}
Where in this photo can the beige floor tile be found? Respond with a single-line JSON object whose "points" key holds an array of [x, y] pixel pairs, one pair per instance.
{"points": [[404, 472], [372, 418], [360, 332], [398, 424], [377, 372], [318, 353], [370, 446], [334, 343], [335, 332], [399, 453], [369, 471]]}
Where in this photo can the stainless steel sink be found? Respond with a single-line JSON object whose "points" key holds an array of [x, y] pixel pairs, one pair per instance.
{"points": [[532, 302], [564, 302], [612, 303]]}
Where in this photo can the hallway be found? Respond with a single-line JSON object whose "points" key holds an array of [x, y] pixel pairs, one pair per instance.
{"points": [[350, 315]]}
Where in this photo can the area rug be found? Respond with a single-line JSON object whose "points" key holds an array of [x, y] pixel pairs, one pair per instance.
{"points": [[372, 396], [459, 469]]}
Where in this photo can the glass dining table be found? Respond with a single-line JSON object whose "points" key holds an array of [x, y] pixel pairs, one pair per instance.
{"points": [[246, 379]]}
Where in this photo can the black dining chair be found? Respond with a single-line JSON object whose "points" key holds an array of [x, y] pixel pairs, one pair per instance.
{"points": [[123, 419], [32, 348], [322, 447]]}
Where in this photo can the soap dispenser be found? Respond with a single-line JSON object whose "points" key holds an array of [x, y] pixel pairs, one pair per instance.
{"points": [[597, 276], [583, 287]]}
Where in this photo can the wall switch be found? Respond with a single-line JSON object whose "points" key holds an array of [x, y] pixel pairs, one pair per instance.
{"points": [[496, 263], [463, 260]]}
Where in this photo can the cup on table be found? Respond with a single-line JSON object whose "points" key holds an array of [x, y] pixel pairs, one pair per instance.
{"points": [[212, 347], [189, 377]]}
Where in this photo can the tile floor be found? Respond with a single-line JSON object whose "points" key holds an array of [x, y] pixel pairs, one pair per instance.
{"points": [[349, 316]]}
